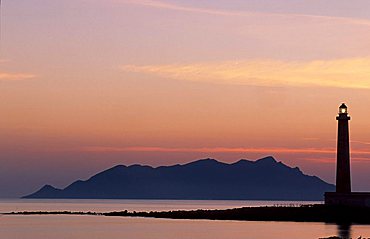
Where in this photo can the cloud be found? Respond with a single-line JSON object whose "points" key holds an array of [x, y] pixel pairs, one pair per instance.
{"points": [[322, 155], [341, 73], [104, 149], [171, 6], [360, 142], [177, 7], [2, 60], [6, 76]]}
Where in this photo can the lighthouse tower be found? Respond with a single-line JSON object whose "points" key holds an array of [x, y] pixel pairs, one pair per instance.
{"points": [[343, 184], [343, 196]]}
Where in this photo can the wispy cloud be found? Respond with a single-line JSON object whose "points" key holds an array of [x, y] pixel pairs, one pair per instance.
{"points": [[360, 142], [171, 6], [322, 155], [357, 153], [103, 149], [177, 7], [7, 76], [2, 60], [342, 73]]}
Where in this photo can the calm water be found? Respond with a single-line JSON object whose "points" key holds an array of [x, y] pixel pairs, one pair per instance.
{"points": [[84, 227]]}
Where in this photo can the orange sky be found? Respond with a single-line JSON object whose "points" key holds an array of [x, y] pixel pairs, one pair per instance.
{"points": [[88, 84]]}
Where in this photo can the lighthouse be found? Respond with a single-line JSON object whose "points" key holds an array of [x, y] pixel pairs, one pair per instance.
{"points": [[343, 196], [343, 179]]}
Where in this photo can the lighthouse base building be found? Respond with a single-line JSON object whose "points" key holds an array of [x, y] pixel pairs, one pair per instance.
{"points": [[343, 196], [354, 199]]}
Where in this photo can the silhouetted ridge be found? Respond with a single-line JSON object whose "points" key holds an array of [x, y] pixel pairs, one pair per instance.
{"points": [[266, 160], [203, 179], [204, 162], [47, 190], [243, 161]]}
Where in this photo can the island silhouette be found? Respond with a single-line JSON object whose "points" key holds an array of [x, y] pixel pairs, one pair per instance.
{"points": [[206, 179]]}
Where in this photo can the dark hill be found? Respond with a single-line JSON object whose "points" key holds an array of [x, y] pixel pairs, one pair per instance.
{"points": [[203, 179]]}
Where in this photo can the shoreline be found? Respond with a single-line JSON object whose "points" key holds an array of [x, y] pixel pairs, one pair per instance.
{"points": [[303, 213]]}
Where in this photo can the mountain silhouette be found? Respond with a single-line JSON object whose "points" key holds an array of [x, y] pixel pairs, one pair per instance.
{"points": [[206, 179]]}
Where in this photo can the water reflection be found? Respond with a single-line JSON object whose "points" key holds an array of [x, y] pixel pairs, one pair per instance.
{"points": [[344, 230]]}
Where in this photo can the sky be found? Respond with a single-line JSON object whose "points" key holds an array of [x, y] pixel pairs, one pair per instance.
{"points": [[89, 84]]}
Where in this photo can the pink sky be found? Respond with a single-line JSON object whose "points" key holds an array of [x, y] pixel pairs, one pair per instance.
{"points": [[88, 84]]}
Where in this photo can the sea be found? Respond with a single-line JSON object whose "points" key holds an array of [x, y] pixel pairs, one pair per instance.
{"points": [[94, 227]]}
